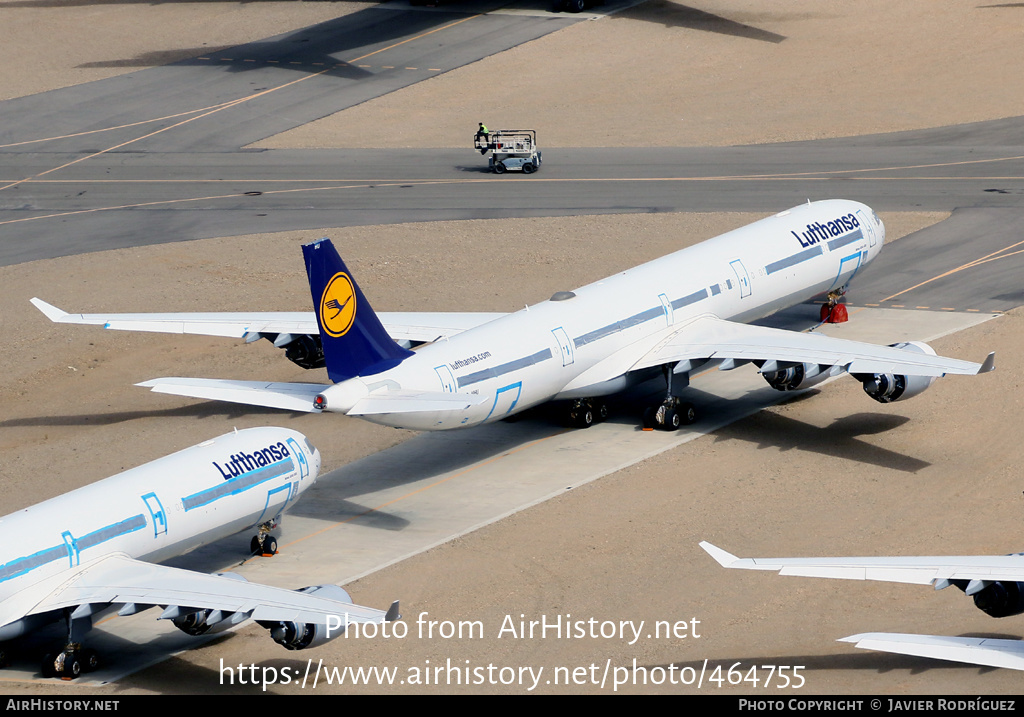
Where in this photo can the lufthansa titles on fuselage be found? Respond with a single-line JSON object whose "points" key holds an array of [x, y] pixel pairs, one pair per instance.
{"points": [[819, 232], [240, 463]]}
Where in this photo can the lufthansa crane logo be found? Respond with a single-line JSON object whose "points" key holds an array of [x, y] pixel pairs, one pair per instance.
{"points": [[338, 305]]}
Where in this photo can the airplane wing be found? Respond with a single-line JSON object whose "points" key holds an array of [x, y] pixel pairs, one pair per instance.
{"points": [[972, 650], [976, 570], [412, 326], [115, 579], [917, 570], [708, 337]]}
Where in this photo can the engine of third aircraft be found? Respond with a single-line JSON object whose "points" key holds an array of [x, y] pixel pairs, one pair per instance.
{"points": [[1001, 599], [303, 635], [887, 387]]}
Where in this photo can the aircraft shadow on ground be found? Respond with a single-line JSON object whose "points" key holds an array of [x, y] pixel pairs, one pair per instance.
{"points": [[328, 43], [206, 409], [838, 440], [677, 15]]}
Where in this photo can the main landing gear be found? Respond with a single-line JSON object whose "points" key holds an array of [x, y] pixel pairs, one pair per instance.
{"points": [[73, 661], [669, 415], [585, 412], [263, 543], [672, 412]]}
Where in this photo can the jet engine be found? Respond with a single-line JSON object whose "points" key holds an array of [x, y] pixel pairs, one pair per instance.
{"points": [[305, 351], [801, 375], [887, 387], [299, 635], [1001, 599], [209, 622]]}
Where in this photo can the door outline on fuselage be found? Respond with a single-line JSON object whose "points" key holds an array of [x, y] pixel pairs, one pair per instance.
{"points": [[156, 514], [517, 387], [868, 228], [564, 345], [666, 305], [858, 257], [266, 506], [742, 277], [69, 542], [300, 458], [447, 377]]}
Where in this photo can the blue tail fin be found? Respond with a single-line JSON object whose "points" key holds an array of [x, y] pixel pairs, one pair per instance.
{"points": [[354, 340]]}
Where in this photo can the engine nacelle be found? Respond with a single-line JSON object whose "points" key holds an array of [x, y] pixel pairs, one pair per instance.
{"points": [[208, 622], [887, 387], [802, 375], [305, 351], [303, 635], [1001, 599]]}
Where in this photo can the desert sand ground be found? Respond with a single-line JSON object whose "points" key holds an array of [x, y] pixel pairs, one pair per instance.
{"points": [[831, 473]]}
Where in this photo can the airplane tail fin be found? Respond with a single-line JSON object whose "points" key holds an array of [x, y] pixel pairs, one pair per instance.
{"points": [[355, 342]]}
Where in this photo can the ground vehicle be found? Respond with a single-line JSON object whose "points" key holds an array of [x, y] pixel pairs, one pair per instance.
{"points": [[513, 150]]}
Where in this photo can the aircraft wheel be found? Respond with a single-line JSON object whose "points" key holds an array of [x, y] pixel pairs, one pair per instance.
{"points": [[649, 418], [72, 667], [48, 668], [499, 168], [671, 420], [687, 413], [254, 545], [602, 411], [576, 5], [90, 660], [529, 168], [270, 545]]}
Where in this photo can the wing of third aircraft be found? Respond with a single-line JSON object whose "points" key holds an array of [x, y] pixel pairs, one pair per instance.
{"points": [[996, 583]]}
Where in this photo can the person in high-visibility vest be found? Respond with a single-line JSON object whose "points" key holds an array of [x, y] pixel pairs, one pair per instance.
{"points": [[483, 133]]}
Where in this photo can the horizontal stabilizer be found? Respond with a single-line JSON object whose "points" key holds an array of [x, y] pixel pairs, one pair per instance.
{"points": [[972, 650], [414, 402], [286, 396]]}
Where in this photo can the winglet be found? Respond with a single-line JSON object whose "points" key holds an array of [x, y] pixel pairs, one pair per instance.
{"points": [[724, 558], [990, 363], [52, 312], [856, 638], [393, 613]]}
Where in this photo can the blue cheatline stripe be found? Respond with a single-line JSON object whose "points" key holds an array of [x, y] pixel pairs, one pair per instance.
{"points": [[794, 260], [238, 484], [91, 540], [844, 240], [22, 565], [504, 368], [691, 298], [591, 336], [636, 319]]}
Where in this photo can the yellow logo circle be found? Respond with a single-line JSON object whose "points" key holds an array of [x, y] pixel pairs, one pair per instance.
{"points": [[338, 305]]}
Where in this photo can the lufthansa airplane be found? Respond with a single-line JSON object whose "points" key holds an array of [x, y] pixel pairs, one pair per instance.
{"points": [[684, 312], [78, 556], [995, 583]]}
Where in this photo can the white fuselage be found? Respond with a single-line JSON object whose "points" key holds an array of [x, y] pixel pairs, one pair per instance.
{"points": [[158, 510], [545, 351]]}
